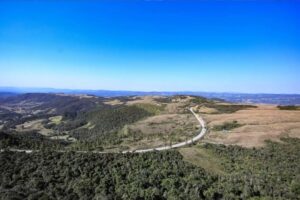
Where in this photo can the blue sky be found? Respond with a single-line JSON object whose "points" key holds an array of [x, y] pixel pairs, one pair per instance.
{"points": [[221, 46]]}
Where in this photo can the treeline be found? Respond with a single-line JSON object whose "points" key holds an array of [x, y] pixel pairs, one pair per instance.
{"points": [[267, 173], [289, 107], [221, 108], [29, 140], [230, 108]]}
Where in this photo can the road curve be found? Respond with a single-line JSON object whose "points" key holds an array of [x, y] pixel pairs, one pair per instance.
{"points": [[181, 144]]}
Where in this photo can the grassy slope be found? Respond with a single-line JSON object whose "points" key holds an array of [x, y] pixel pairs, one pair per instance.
{"points": [[203, 158]]}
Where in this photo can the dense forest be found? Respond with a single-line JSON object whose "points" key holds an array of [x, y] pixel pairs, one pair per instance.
{"points": [[271, 172], [30, 140]]}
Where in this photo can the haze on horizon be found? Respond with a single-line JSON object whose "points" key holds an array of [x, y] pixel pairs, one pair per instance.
{"points": [[221, 46]]}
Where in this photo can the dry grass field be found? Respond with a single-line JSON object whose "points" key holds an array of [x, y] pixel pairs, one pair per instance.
{"points": [[113, 102], [266, 122], [143, 99], [34, 125], [160, 130]]}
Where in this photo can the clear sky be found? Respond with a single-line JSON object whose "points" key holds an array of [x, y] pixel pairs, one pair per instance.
{"points": [[221, 46]]}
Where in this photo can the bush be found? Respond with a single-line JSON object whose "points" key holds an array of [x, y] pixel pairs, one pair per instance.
{"points": [[227, 126]]}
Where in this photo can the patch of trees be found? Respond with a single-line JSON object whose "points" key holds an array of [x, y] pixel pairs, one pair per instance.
{"points": [[29, 140], [289, 107], [227, 126], [221, 108], [69, 125], [151, 108], [230, 108], [200, 100], [109, 121], [266, 173], [272, 172], [125, 99], [10, 118], [163, 99]]}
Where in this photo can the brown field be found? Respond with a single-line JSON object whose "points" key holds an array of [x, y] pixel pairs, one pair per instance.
{"points": [[34, 125], [37, 125], [143, 99], [265, 122], [166, 124], [56, 120], [177, 105], [113, 102]]}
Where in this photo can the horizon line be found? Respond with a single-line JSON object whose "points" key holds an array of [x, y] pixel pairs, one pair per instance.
{"points": [[138, 91]]}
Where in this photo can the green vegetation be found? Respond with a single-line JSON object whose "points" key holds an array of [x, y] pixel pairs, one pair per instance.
{"points": [[109, 120], [271, 172], [29, 140], [204, 158], [45, 106], [290, 107], [150, 108], [200, 100], [206, 171], [163, 99], [107, 124], [227, 126], [92, 123], [221, 108], [88, 120], [230, 108]]}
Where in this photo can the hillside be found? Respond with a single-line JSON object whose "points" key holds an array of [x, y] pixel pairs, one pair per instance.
{"points": [[77, 139], [84, 122]]}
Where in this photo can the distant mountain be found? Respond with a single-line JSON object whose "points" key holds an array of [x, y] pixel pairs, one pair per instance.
{"points": [[7, 94], [283, 99]]}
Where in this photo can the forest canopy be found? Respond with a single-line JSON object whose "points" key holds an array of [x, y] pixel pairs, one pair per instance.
{"points": [[267, 173]]}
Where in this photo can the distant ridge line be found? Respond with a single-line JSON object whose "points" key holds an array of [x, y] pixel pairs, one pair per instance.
{"points": [[259, 98]]}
